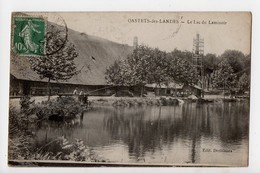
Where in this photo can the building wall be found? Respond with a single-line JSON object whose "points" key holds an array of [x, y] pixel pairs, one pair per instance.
{"points": [[23, 87], [185, 91]]}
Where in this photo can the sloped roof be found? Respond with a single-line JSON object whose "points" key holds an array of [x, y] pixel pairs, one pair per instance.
{"points": [[94, 52]]}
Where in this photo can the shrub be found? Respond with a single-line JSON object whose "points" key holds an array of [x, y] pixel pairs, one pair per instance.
{"points": [[20, 147], [169, 102], [163, 101], [124, 93], [18, 122], [66, 150], [65, 108]]}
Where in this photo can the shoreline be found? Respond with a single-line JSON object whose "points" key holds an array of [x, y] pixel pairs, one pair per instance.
{"points": [[138, 101], [156, 101]]}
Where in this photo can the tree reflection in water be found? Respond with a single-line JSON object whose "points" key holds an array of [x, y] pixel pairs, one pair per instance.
{"points": [[167, 134], [149, 129]]}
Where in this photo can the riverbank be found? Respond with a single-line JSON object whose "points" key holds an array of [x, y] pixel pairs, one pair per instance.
{"points": [[133, 101], [137, 101], [159, 101]]}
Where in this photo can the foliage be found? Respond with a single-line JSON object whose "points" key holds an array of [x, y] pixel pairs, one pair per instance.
{"points": [[235, 58], [134, 71], [224, 77], [168, 102], [58, 63], [20, 121], [148, 65], [25, 104], [157, 67], [124, 93], [136, 102], [210, 62], [185, 55], [248, 64], [116, 74], [181, 70], [151, 65], [19, 136], [64, 108], [58, 149], [59, 66], [138, 65], [17, 122], [20, 147], [64, 150], [244, 83]]}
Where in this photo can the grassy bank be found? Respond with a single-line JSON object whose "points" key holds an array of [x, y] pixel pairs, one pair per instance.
{"points": [[132, 101], [137, 101], [157, 101]]}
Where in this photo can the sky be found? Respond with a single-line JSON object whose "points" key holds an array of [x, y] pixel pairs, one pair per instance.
{"points": [[231, 32]]}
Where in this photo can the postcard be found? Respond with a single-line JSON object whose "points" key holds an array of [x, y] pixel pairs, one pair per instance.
{"points": [[129, 89]]}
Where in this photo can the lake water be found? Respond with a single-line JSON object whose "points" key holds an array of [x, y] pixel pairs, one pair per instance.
{"points": [[215, 133]]}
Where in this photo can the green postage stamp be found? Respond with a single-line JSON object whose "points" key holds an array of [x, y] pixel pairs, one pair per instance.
{"points": [[28, 36]]}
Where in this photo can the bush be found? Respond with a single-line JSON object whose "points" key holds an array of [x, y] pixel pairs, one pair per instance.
{"points": [[20, 147], [66, 150], [19, 136], [119, 103], [173, 102], [58, 149], [168, 102], [124, 93], [65, 108], [18, 122], [163, 101]]}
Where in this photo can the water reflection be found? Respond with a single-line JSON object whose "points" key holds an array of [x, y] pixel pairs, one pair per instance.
{"points": [[147, 130], [168, 134]]}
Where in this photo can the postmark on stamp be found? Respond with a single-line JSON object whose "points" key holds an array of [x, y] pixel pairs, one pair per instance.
{"points": [[29, 35]]}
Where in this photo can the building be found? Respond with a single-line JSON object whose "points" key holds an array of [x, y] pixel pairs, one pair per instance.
{"points": [[173, 89], [95, 56]]}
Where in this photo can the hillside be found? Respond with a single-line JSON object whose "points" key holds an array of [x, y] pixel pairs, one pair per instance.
{"points": [[95, 55]]}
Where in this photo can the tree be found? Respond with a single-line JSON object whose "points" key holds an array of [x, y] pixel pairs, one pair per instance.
{"points": [[210, 62], [58, 63], [185, 55], [247, 64], [235, 58], [117, 73], [244, 83], [180, 70], [224, 77], [133, 71], [157, 67], [138, 66], [149, 65]]}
